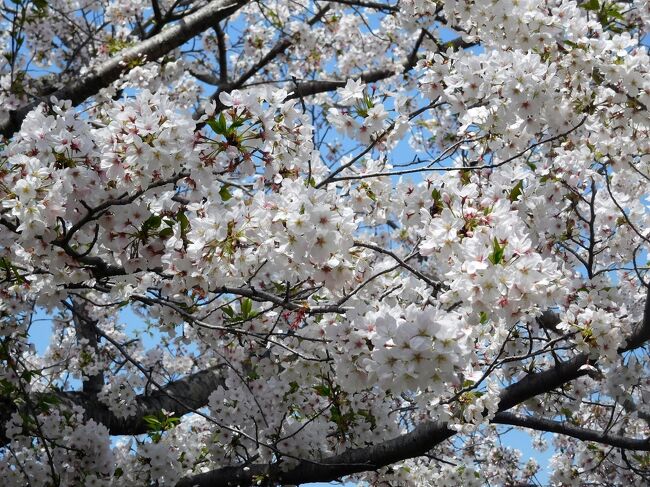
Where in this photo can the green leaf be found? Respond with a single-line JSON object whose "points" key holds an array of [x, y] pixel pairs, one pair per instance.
{"points": [[597, 76], [183, 220], [516, 191], [28, 375], [213, 124], [616, 30], [322, 390], [335, 413], [437, 202], [218, 125], [368, 417], [223, 126], [246, 307], [613, 13], [40, 4], [46, 401], [496, 257], [6, 387], [253, 375], [171, 421], [152, 223], [236, 123], [575, 45], [224, 193], [592, 5], [185, 226], [153, 423], [166, 233], [10, 269], [483, 317]]}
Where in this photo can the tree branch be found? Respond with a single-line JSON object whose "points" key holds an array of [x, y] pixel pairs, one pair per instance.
{"points": [[80, 316], [223, 55], [413, 444], [315, 87], [424, 436], [279, 48], [195, 389], [152, 48], [543, 424], [384, 7]]}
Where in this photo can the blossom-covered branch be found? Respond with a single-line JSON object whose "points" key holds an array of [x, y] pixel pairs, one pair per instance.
{"points": [[102, 75], [268, 243]]}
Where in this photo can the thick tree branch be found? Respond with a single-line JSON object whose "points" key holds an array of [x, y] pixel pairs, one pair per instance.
{"points": [[424, 437], [542, 382], [223, 55], [410, 445], [150, 49], [642, 332], [415, 443], [194, 389], [80, 316]]}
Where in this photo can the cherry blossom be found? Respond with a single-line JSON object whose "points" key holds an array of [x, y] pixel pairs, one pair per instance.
{"points": [[284, 242]]}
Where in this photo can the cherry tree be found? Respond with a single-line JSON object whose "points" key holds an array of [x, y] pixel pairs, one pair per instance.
{"points": [[291, 241]]}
